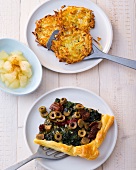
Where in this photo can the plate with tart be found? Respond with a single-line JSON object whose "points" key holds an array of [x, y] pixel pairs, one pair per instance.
{"points": [[80, 23], [83, 127]]}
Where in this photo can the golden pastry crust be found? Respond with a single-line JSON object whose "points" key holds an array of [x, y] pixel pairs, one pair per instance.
{"points": [[89, 151], [72, 45]]}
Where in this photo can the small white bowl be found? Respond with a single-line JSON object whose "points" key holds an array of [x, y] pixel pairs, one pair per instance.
{"points": [[10, 45]]}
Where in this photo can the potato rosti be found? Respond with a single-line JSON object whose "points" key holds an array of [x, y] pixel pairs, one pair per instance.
{"points": [[45, 27], [72, 45], [74, 42], [78, 17]]}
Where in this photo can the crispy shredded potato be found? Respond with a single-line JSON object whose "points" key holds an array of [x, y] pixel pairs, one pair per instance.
{"points": [[72, 45], [77, 17], [74, 42], [45, 27]]}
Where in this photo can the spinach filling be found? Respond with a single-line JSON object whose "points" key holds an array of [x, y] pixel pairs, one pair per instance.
{"points": [[70, 123]]}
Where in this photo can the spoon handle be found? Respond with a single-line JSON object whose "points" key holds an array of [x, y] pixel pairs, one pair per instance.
{"points": [[123, 61], [101, 55]]}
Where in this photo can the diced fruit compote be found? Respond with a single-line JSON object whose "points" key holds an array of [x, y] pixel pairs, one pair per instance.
{"points": [[15, 70]]}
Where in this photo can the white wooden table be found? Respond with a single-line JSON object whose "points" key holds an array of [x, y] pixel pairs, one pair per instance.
{"points": [[114, 83]]}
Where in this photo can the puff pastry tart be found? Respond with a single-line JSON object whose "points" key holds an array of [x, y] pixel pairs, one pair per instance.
{"points": [[73, 128]]}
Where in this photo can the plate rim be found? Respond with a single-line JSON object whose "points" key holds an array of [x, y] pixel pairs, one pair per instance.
{"points": [[77, 88], [69, 71]]}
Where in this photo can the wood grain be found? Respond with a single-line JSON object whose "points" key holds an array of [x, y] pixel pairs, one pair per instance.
{"points": [[8, 103], [119, 90], [49, 81], [116, 84], [23, 152]]}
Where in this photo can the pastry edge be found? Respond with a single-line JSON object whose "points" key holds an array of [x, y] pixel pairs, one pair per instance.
{"points": [[89, 151]]}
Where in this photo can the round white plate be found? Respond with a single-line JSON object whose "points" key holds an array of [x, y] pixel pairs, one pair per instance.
{"points": [[47, 58], [88, 99]]}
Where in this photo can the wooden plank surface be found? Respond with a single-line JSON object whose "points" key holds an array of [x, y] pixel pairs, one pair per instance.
{"points": [[119, 91], [114, 83], [8, 103]]}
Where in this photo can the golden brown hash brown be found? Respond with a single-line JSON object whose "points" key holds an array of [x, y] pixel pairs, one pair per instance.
{"points": [[74, 42], [72, 45], [45, 27], [78, 17]]}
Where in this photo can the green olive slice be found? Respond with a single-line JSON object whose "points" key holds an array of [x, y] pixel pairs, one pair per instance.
{"points": [[72, 125], [63, 100], [80, 123], [85, 140], [81, 133], [86, 125], [79, 106], [58, 136], [58, 114], [76, 115], [52, 115], [61, 119], [42, 109], [44, 115]]}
